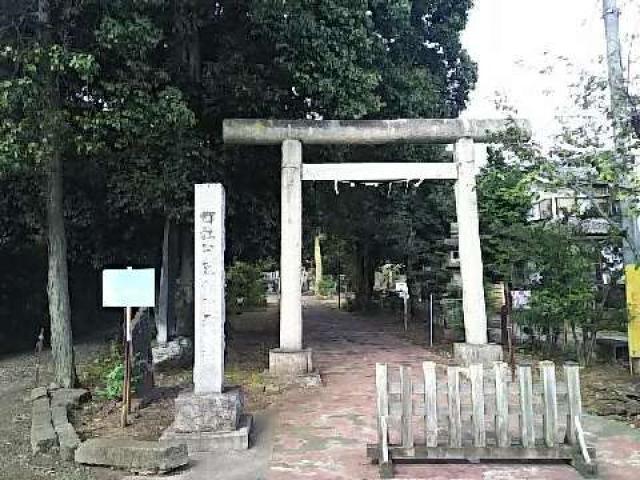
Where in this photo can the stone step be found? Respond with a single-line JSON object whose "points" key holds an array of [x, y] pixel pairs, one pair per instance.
{"points": [[136, 456], [43, 435]]}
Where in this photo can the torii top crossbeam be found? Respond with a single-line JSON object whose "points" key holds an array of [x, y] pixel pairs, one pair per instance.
{"points": [[274, 132]]}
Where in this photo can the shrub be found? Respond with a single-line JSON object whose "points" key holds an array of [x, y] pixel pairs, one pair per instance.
{"points": [[106, 373], [326, 287], [245, 286]]}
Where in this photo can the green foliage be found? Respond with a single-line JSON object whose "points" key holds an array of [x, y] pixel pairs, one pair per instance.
{"points": [[565, 298], [504, 199], [326, 51], [113, 383], [114, 380], [105, 374], [245, 287], [326, 287], [96, 373]]}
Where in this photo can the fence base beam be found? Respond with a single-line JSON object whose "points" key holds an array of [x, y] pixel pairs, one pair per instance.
{"points": [[516, 454]]}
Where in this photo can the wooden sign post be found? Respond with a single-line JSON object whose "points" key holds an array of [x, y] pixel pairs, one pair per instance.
{"points": [[128, 288]]}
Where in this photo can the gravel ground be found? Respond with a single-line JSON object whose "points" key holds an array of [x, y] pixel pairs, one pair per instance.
{"points": [[17, 375]]}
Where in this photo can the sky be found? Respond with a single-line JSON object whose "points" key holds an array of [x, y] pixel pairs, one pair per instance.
{"points": [[515, 41]]}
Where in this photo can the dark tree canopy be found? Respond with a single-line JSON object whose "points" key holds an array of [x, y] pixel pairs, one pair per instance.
{"points": [[143, 89]]}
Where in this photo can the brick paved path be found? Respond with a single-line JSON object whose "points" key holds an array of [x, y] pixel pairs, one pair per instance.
{"points": [[321, 433]]}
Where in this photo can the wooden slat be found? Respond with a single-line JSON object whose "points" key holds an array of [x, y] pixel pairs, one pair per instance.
{"points": [[550, 412], [527, 432], [583, 444], [382, 396], [430, 404], [455, 421], [384, 444], [574, 400], [513, 454], [489, 388], [384, 459], [477, 400], [502, 404], [407, 407]]}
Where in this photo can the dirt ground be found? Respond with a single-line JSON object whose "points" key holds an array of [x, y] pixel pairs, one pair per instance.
{"points": [[98, 418], [17, 374], [247, 359]]}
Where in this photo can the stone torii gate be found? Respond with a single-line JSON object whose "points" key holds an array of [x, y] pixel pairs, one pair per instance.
{"points": [[291, 357]]}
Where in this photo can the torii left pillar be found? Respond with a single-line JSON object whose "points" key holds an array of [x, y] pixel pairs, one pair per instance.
{"points": [[291, 358]]}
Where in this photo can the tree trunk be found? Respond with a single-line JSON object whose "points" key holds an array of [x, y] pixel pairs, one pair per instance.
{"points": [[165, 320], [364, 278], [194, 57], [317, 252], [184, 301], [58, 279], [58, 275]]}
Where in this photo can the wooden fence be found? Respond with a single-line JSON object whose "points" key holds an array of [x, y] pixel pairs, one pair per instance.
{"points": [[473, 414]]}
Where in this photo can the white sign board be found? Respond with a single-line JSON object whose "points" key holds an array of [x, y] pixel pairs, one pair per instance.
{"points": [[520, 299], [402, 287], [129, 288]]}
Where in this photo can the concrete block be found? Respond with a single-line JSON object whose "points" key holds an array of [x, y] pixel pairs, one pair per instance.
{"points": [[279, 383], [59, 416], [468, 353], [43, 436], [133, 455], [208, 412], [290, 362], [39, 392], [212, 441], [68, 441], [69, 396], [173, 354]]}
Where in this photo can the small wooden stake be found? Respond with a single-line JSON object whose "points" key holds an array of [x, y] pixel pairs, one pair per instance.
{"points": [[407, 407], [430, 404], [455, 420], [382, 396], [572, 376], [527, 431], [477, 398], [550, 417], [39, 346], [502, 404]]}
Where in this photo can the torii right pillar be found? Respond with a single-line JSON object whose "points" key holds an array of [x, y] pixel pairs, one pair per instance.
{"points": [[476, 348]]}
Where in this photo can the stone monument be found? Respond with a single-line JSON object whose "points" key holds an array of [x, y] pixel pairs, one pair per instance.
{"points": [[211, 416]]}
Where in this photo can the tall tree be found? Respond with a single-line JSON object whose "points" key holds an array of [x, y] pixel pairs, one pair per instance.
{"points": [[42, 79], [58, 276]]}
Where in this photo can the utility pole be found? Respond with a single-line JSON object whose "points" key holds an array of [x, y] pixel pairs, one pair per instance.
{"points": [[621, 116]]}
